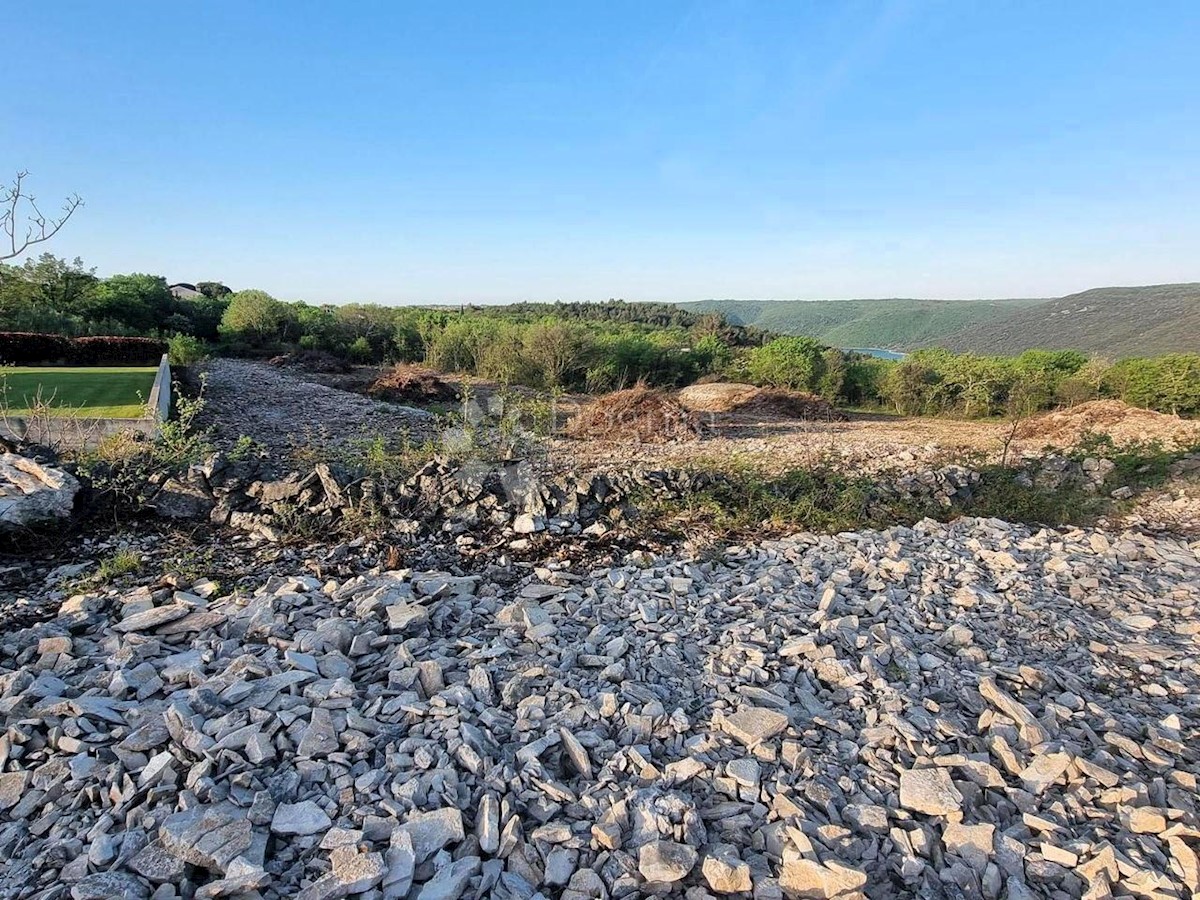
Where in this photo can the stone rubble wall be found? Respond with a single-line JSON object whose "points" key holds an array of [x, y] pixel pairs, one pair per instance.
{"points": [[473, 497], [466, 498]]}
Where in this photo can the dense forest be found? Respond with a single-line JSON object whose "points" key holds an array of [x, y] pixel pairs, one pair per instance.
{"points": [[593, 347], [891, 324], [1113, 321]]}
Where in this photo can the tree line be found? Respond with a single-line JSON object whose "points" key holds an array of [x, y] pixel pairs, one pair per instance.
{"points": [[530, 345], [968, 385], [577, 346], [59, 296]]}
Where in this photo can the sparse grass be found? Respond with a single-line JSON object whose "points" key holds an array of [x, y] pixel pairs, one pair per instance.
{"points": [[999, 495], [120, 562], [101, 392], [510, 427], [366, 455], [119, 468], [744, 503], [192, 565], [297, 525]]}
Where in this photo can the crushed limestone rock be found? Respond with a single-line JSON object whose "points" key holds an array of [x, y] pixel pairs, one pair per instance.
{"points": [[955, 710]]}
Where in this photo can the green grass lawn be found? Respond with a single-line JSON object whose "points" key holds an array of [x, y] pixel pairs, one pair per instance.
{"points": [[111, 393]]}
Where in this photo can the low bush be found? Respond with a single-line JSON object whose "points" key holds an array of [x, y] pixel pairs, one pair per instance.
{"points": [[123, 467]]}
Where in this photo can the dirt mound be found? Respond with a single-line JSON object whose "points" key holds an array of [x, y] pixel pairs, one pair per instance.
{"points": [[1120, 421], [316, 361], [635, 414], [746, 398], [720, 396], [412, 385]]}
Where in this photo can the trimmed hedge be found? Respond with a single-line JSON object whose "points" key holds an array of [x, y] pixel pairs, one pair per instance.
{"points": [[19, 348], [117, 351]]}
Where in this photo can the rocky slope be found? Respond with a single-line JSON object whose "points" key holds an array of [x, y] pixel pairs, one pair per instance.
{"points": [[963, 710]]}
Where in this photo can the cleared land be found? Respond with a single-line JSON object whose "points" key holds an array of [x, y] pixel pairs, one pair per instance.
{"points": [[762, 436], [113, 393], [487, 697]]}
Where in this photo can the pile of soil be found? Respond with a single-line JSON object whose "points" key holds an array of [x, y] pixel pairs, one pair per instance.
{"points": [[318, 362], [724, 397], [635, 414], [1125, 424], [719, 396], [412, 385]]}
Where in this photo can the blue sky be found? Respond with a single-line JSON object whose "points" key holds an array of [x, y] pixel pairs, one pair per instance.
{"points": [[422, 152]]}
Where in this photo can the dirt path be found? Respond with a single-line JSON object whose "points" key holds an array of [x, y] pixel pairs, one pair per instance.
{"points": [[866, 442], [283, 411], [871, 442]]}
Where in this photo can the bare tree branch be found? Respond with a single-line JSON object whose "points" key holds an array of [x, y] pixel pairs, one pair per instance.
{"points": [[23, 223]]}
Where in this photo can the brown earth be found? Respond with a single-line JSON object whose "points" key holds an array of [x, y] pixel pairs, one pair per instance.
{"points": [[732, 397], [413, 385], [638, 414], [317, 362], [876, 441], [1123, 423]]}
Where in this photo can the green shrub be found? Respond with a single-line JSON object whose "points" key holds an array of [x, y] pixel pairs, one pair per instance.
{"points": [[1168, 384], [185, 350], [255, 318], [788, 362]]}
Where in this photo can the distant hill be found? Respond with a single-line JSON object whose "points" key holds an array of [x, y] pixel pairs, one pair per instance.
{"points": [[889, 324], [1111, 321]]}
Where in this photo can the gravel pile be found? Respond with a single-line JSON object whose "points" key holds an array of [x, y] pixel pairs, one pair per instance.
{"points": [[963, 710], [278, 408]]}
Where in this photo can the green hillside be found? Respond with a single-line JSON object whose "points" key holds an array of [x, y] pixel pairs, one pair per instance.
{"points": [[1113, 321], [898, 324]]}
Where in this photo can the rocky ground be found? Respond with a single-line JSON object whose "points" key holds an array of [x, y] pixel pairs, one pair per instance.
{"points": [[964, 710]]}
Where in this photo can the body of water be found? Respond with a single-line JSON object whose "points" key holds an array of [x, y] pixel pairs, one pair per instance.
{"points": [[876, 352]]}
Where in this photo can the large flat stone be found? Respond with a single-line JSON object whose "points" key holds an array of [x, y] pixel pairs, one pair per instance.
{"points": [[753, 724]]}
